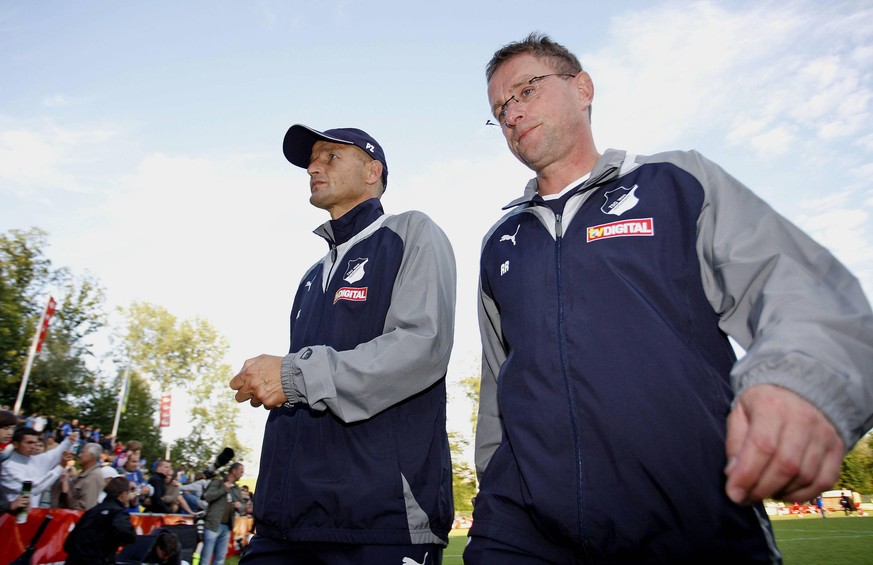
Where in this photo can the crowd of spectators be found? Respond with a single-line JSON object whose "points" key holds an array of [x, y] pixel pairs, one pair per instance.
{"points": [[69, 463], [53, 463]]}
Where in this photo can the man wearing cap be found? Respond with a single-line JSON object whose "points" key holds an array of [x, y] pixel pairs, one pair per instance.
{"points": [[355, 465]]}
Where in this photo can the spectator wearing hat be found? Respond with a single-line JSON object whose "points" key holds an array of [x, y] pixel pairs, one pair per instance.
{"points": [[362, 390]]}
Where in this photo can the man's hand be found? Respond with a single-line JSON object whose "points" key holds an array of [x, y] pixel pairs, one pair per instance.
{"points": [[23, 501], [66, 457], [260, 382], [779, 446]]}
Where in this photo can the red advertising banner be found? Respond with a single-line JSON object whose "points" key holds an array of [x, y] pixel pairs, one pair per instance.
{"points": [[165, 410], [14, 538], [46, 318]]}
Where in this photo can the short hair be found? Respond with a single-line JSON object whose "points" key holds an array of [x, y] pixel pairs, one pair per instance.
{"points": [[168, 543], [133, 445], [115, 487], [7, 418], [19, 433], [541, 46], [233, 468], [94, 449]]}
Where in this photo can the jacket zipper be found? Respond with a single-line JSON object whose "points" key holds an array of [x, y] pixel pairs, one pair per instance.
{"points": [[577, 448]]}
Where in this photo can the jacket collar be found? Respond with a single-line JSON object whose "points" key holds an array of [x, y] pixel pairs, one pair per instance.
{"points": [[336, 232], [606, 169]]}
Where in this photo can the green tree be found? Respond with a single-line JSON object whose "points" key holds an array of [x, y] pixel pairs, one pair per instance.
{"points": [[464, 484], [470, 386], [213, 408], [856, 472], [138, 418], [61, 374], [464, 481], [186, 355], [24, 274], [60, 382]]}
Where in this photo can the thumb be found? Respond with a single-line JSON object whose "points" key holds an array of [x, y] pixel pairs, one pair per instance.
{"points": [[737, 429]]}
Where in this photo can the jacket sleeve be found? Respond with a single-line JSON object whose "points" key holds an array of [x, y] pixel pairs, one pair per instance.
{"points": [[124, 532], [411, 354], [214, 491], [797, 311], [191, 487], [489, 425]]}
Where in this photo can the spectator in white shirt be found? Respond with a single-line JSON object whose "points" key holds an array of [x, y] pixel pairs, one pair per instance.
{"points": [[41, 470]]}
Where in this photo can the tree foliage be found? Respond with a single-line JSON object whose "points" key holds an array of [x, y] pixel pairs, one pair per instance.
{"points": [[856, 472], [61, 375], [24, 274], [161, 352], [464, 484], [464, 481], [186, 355], [137, 419], [213, 408]]}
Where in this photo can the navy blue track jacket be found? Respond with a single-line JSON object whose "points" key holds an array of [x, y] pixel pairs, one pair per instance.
{"points": [[607, 373], [360, 454]]}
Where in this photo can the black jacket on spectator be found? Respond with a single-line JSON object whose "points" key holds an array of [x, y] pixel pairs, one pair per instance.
{"points": [[98, 533], [155, 504]]}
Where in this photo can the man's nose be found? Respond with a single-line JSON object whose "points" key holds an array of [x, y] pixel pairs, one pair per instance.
{"points": [[514, 112]]}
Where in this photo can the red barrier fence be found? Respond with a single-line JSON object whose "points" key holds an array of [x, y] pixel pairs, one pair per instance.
{"points": [[14, 538]]}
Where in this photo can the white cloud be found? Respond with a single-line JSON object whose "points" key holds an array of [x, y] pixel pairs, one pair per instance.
{"points": [[28, 159], [55, 101], [840, 222], [865, 142], [719, 68], [36, 156]]}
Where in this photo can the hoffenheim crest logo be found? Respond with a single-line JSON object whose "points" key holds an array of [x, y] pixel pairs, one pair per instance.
{"points": [[620, 200], [355, 272]]}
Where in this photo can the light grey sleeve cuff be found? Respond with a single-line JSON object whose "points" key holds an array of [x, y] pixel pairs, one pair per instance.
{"points": [[291, 376]]}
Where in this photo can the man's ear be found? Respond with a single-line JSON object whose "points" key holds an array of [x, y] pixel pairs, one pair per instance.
{"points": [[585, 87], [374, 171]]}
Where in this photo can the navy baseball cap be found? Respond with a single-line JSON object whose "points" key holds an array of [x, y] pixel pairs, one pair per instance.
{"points": [[300, 139]]}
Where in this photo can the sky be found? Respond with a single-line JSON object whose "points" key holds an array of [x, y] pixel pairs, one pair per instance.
{"points": [[145, 138]]}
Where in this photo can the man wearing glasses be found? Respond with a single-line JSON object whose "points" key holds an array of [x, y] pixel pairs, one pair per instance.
{"points": [[615, 423], [355, 465]]}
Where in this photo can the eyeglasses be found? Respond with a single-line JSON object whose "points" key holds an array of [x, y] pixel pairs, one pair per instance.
{"points": [[528, 92]]}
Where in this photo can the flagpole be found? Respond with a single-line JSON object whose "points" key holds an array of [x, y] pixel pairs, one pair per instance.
{"points": [[121, 396], [34, 347]]}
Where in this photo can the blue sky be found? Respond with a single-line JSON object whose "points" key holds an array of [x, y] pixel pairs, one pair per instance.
{"points": [[145, 137]]}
